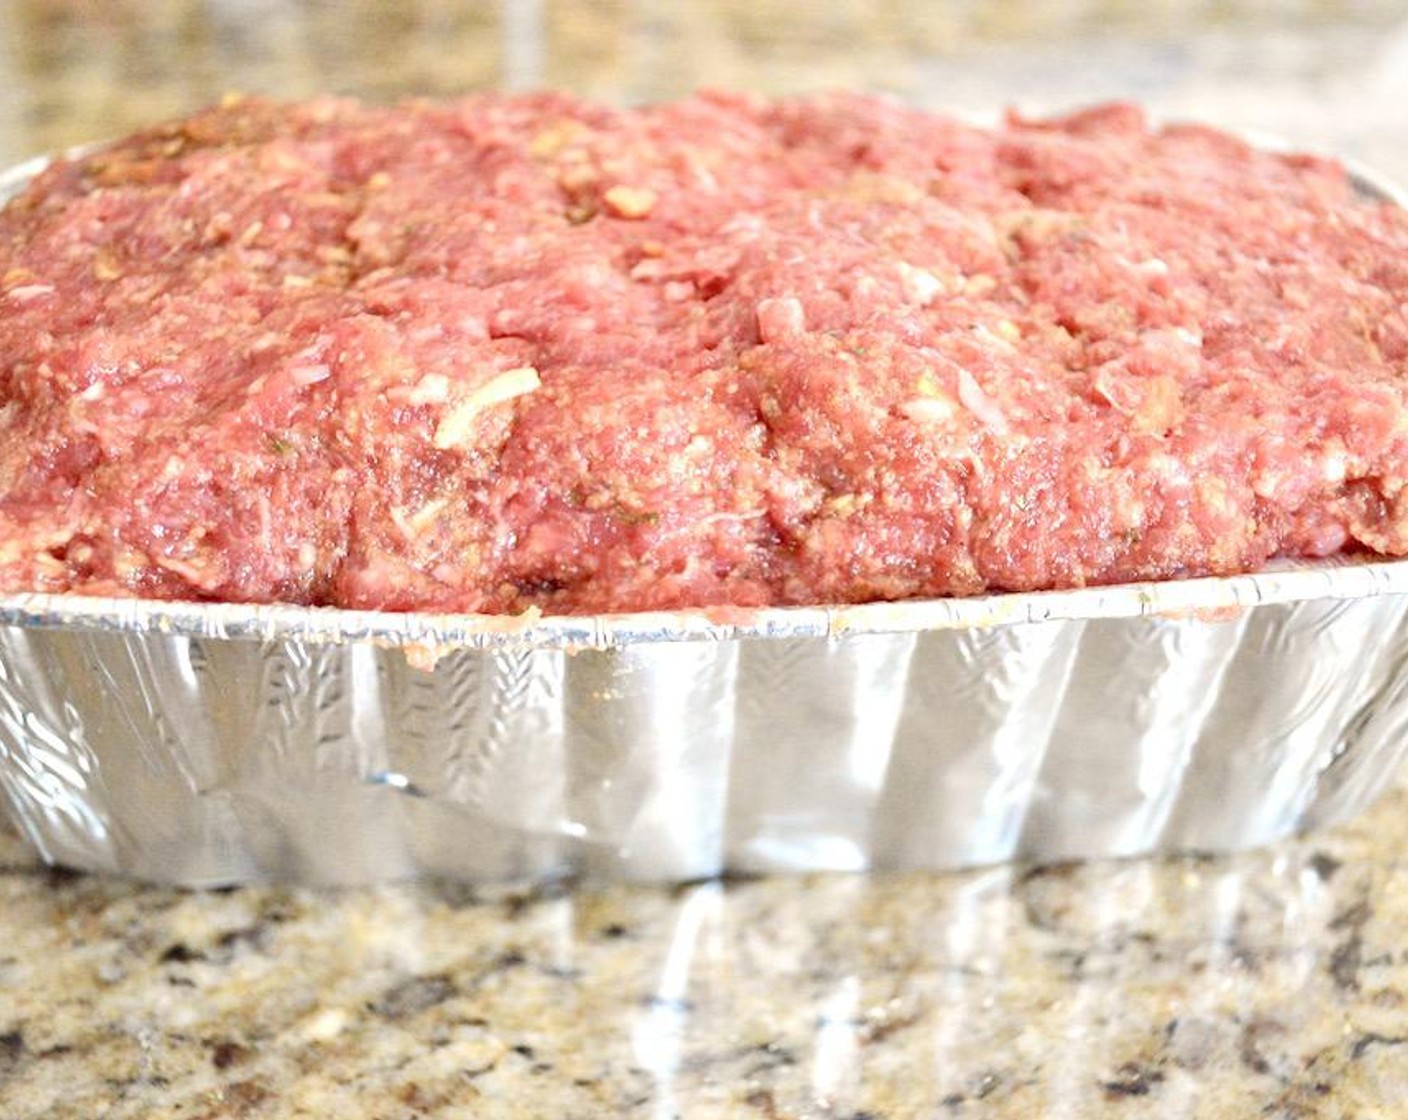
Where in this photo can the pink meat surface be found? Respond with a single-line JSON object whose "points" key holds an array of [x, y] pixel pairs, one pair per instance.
{"points": [[515, 352]]}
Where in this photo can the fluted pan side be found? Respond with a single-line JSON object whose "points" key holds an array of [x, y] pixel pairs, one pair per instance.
{"points": [[186, 754]]}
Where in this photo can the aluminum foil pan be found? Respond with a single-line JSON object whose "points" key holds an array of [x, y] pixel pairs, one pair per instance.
{"points": [[212, 744], [219, 744]]}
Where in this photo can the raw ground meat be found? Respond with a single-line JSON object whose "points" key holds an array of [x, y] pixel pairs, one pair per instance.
{"points": [[530, 351]]}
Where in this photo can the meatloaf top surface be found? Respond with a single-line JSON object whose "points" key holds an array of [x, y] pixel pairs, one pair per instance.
{"points": [[530, 351]]}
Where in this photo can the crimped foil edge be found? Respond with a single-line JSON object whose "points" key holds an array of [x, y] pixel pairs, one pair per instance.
{"points": [[1283, 582]]}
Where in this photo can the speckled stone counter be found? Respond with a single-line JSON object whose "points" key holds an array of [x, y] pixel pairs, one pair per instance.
{"points": [[1270, 984]]}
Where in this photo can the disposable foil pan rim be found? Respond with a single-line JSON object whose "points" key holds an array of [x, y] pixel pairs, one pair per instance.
{"points": [[1210, 597]]}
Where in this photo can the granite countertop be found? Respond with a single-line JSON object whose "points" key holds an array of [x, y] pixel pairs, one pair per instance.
{"points": [[1271, 983]]}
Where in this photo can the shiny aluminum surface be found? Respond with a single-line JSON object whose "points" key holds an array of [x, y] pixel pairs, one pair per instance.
{"points": [[214, 744]]}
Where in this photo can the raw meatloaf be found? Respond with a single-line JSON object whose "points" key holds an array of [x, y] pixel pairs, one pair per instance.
{"points": [[514, 352]]}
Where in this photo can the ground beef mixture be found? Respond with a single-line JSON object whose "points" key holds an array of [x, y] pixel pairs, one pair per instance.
{"points": [[514, 352]]}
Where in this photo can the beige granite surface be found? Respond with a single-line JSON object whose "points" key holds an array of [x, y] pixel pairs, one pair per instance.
{"points": [[1267, 984]]}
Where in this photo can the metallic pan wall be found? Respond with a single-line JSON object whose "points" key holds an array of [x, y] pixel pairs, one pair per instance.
{"points": [[214, 744]]}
